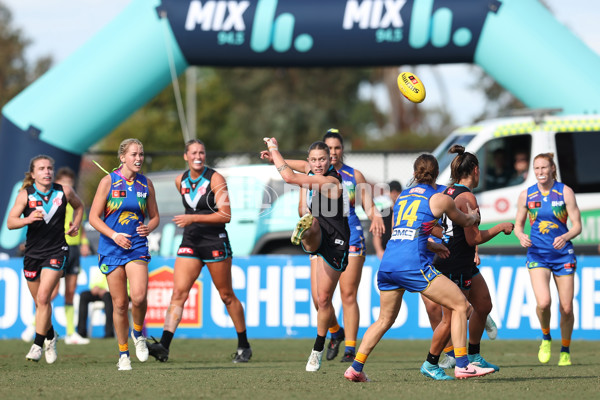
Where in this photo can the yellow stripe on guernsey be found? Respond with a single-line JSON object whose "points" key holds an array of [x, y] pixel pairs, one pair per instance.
{"points": [[141, 183], [117, 182], [557, 192], [533, 194], [550, 125]]}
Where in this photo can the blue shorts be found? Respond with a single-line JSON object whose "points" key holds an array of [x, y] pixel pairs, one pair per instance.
{"points": [[357, 244], [558, 269], [108, 264], [415, 280]]}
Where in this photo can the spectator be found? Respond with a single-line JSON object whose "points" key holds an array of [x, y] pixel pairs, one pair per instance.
{"points": [[98, 292], [497, 175]]}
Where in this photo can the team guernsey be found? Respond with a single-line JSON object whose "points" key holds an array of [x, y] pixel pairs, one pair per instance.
{"points": [[45, 245], [460, 266], [548, 219], [208, 242], [406, 263], [357, 238], [332, 217], [125, 210]]}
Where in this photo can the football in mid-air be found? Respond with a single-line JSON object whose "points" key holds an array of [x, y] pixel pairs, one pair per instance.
{"points": [[411, 87]]}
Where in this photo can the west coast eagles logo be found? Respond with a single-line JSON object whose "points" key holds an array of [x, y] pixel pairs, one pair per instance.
{"points": [[545, 226], [126, 217]]}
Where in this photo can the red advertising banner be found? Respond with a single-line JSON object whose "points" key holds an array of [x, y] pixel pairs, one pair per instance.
{"points": [[160, 288]]}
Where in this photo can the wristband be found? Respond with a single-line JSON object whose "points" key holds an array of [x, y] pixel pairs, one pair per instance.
{"points": [[114, 235]]}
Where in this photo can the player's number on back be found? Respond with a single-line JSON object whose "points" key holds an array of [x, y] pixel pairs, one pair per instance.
{"points": [[410, 215]]}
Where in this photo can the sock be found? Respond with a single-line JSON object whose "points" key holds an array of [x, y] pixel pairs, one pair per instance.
{"points": [[359, 361], [70, 316], [449, 351], [546, 334], [39, 339], [124, 349], [50, 333], [137, 330], [461, 357], [433, 360], [350, 346], [319, 343], [565, 346], [474, 348], [336, 331], [243, 340], [166, 338]]}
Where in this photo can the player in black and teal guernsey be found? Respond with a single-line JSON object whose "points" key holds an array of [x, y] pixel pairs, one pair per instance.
{"points": [[407, 264], [124, 200], [549, 204], [323, 231], [42, 204], [359, 190], [205, 242], [460, 267]]}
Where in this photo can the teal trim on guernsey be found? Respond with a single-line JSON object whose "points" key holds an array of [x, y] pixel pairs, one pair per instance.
{"points": [[101, 84], [523, 35]]}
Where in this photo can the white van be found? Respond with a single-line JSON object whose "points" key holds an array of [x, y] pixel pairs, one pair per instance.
{"points": [[575, 141]]}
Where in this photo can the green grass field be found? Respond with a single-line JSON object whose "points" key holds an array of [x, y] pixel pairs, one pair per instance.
{"points": [[203, 369]]}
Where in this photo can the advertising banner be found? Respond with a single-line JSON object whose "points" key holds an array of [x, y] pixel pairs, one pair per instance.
{"points": [[275, 293]]}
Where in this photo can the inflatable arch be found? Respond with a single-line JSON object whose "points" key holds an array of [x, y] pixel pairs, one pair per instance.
{"points": [[75, 104]]}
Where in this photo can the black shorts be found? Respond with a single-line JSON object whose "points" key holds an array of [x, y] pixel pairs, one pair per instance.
{"points": [[462, 277], [214, 252], [32, 267], [334, 254], [72, 265]]}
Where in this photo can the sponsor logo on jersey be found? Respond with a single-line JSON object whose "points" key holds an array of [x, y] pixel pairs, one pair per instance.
{"points": [[57, 201], [451, 191], [534, 204], [54, 261], [558, 203], [35, 203], [354, 249], [403, 234], [142, 195], [418, 190], [569, 266], [118, 193], [185, 250], [185, 190], [339, 241]]}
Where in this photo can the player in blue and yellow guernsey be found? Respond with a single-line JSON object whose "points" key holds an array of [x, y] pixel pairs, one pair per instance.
{"points": [[42, 204], [124, 200], [549, 204], [323, 231], [407, 265], [205, 242]]}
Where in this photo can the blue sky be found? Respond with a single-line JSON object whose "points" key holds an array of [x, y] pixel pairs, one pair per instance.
{"points": [[60, 27]]}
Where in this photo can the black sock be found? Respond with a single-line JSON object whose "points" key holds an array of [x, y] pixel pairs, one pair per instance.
{"points": [[319, 343], [433, 360], [243, 340], [50, 333], [166, 338], [474, 348], [39, 339]]}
